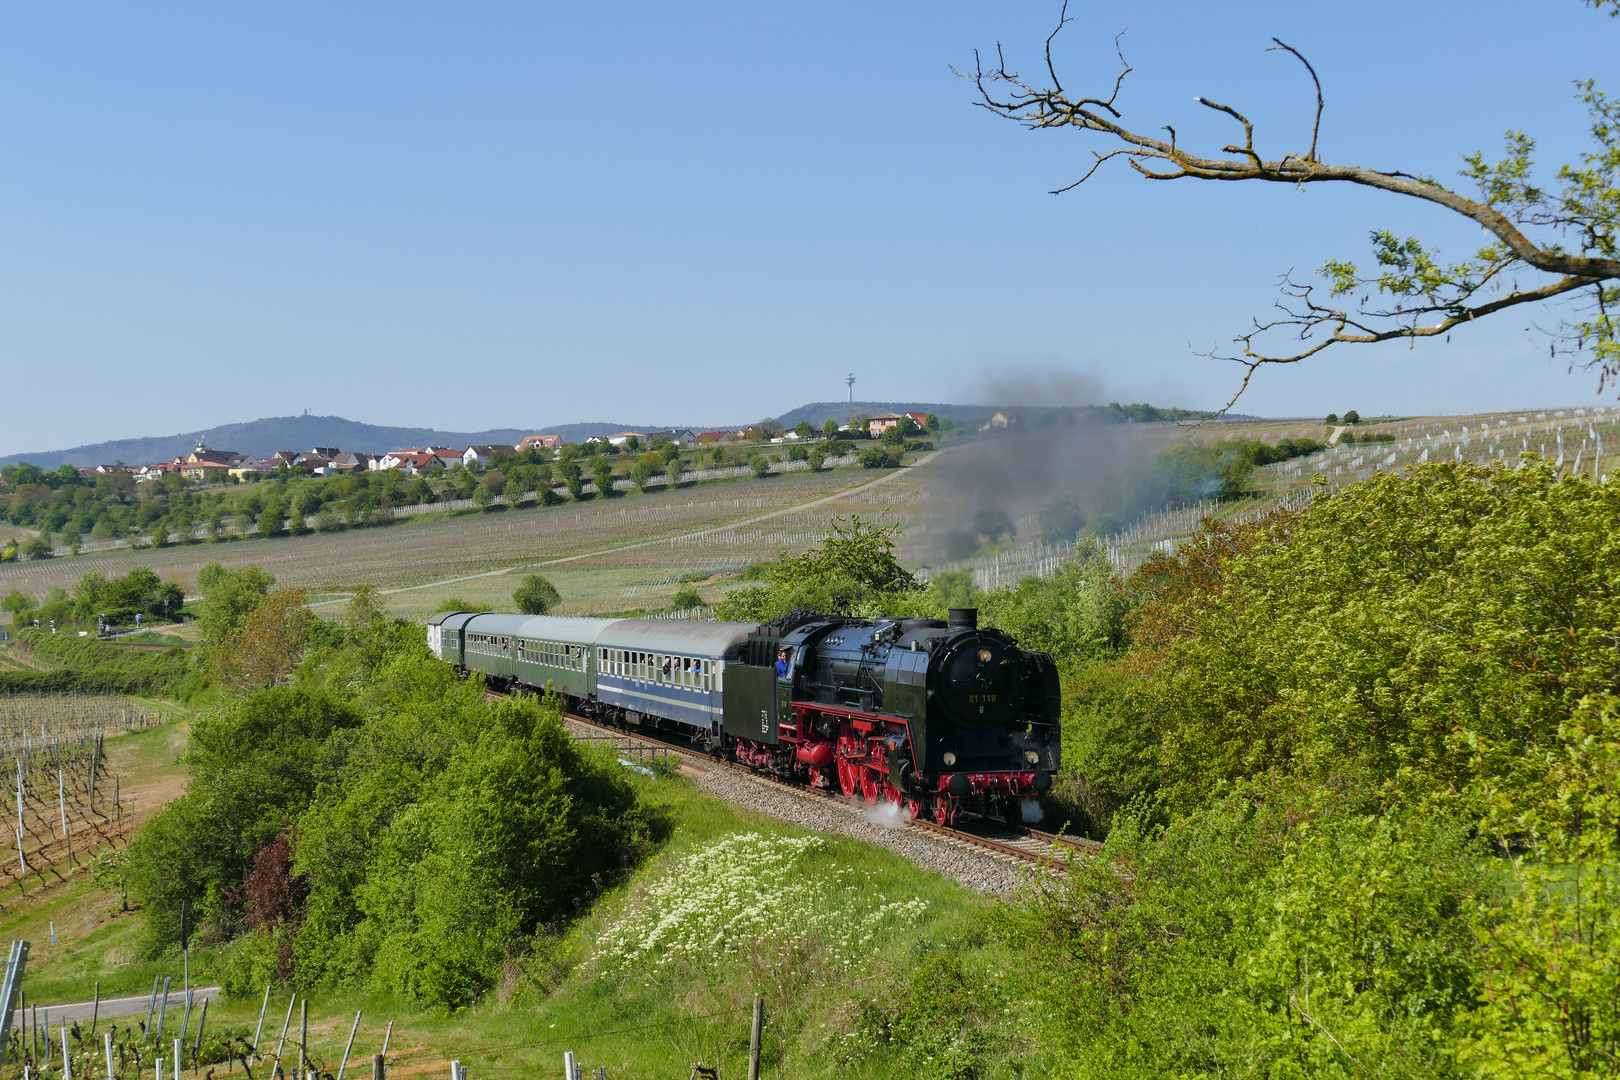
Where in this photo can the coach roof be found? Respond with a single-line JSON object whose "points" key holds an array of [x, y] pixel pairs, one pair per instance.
{"points": [[564, 628], [460, 617], [503, 625], [690, 637]]}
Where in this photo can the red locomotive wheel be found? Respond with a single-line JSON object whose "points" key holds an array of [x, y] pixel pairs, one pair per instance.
{"points": [[871, 790], [848, 777]]}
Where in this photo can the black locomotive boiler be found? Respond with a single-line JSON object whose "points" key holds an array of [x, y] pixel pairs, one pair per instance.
{"points": [[937, 716]]}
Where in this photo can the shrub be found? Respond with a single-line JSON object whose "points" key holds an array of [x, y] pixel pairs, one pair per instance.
{"points": [[878, 457], [1061, 521], [536, 595], [960, 544]]}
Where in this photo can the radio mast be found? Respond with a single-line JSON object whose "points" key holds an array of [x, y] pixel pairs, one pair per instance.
{"points": [[849, 381]]}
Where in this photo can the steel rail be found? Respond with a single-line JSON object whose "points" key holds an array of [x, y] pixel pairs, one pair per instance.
{"points": [[1055, 840]]}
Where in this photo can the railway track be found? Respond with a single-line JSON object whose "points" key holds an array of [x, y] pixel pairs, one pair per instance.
{"points": [[1008, 841]]}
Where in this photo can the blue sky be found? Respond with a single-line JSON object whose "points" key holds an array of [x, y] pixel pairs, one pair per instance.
{"points": [[479, 215]]}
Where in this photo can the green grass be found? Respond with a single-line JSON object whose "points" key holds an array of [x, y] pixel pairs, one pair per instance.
{"points": [[151, 637], [648, 1022]]}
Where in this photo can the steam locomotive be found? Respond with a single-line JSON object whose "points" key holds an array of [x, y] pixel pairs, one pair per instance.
{"points": [[936, 716]]}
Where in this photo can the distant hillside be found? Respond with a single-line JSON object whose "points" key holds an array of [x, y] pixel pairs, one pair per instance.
{"points": [[261, 437], [820, 412], [1036, 415]]}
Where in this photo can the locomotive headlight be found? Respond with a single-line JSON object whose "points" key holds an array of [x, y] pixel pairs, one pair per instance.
{"points": [[950, 758], [984, 656], [1031, 756]]}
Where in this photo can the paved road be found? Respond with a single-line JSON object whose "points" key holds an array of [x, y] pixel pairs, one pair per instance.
{"points": [[120, 1006]]}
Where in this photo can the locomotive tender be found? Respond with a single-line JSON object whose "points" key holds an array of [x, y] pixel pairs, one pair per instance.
{"points": [[936, 716]]}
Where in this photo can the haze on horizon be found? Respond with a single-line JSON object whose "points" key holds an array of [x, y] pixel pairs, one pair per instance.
{"points": [[524, 215]]}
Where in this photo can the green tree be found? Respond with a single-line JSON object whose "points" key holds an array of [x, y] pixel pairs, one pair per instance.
{"points": [[829, 428], [270, 521], [573, 479], [1061, 521], [993, 523], [452, 834], [852, 570], [1077, 613], [931, 423], [953, 589], [803, 429], [760, 465], [536, 595], [295, 523], [17, 602], [602, 476], [87, 596], [228, 597], [685, 599], [641, 475], [36, 547], [672, 472], [1352, 417], [817, 460], [253, 765]]}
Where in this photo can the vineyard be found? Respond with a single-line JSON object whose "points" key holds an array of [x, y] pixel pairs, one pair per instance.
{"points": [[647, 575], [413, 552], [1574, 441], [64, 803]]}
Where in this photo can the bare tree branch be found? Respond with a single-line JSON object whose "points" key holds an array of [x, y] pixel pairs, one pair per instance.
{"points": [[1430, 298], [1316, 124]]}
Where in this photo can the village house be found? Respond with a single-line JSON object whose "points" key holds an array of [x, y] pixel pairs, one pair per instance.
{"points": [[480, 454], [207, 465], [678, 436], [543, 442], [882, 422], [351, 461], [410, 462]]}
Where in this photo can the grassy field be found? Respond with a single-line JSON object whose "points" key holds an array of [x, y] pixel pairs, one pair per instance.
{"points": [[859, 920]]}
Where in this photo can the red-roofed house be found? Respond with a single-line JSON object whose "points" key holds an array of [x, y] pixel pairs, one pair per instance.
{"points": [[545, 442]]}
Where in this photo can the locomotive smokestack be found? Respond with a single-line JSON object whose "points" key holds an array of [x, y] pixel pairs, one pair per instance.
{"points": [[964, 618]]}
